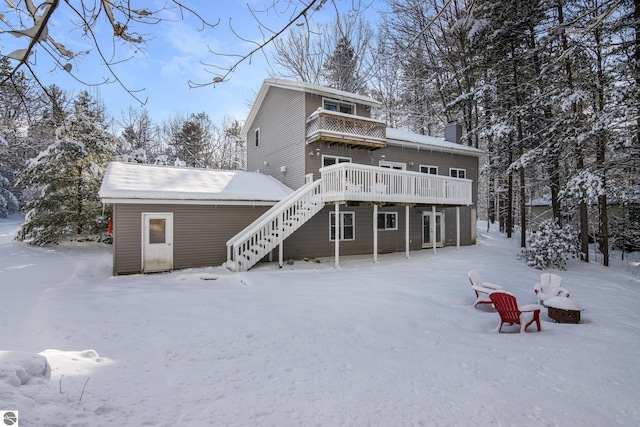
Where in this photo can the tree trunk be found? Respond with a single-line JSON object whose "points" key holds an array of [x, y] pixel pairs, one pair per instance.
{"points": [[636, 65], [584, 217], [509, 201], [554, 177], [600, 155]]}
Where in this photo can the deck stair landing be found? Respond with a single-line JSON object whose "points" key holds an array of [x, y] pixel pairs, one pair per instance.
{"points": [[249, 246]]}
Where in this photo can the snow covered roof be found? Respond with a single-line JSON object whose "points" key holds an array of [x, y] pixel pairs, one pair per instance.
{"points": [[403, 138], [131, 182], [544, 200], [307, 88]]}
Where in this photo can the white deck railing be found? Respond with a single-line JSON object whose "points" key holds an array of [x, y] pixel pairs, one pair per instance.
{"points": [[269, 230], [347, 128], [356, 182]]}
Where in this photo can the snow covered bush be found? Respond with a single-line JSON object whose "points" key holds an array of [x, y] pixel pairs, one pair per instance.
{"points": [[551, 246]]}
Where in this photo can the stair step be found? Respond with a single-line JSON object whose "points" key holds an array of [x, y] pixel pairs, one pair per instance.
{"points": [[300, 211]]}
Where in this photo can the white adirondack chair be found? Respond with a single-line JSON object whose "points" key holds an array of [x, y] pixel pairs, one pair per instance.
{"points": [[482, 289], [550, 286]]}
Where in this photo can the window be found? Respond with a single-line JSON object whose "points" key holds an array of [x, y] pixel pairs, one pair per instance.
{"points": [[387, 220], [332, 160], [341, 107], [457, 173], [157, 227], [257, 137], [392, 165], [346, 226], [433, 170]]}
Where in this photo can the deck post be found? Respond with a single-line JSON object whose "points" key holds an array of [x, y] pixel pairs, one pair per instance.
{"points": [[406, 230], [337, 236], [432, 225], [457, 228], [280, 240], [375, 233]]}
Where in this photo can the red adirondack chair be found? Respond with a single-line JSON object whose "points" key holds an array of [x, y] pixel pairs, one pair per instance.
{"points": [[511, 313]]}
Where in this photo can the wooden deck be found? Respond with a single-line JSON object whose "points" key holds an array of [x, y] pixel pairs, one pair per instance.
{"points": [[339, 128], [346, 182]]}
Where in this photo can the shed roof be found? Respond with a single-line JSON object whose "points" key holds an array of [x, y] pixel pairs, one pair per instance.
{"points": [[131, 182]]}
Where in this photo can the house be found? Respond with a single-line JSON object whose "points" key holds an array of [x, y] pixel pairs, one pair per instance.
{"points": [[355, 187]]}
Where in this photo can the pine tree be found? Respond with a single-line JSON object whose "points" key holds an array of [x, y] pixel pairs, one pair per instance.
{"points": [[16, 101], [341, 68], [8, 201], [66, 178]]}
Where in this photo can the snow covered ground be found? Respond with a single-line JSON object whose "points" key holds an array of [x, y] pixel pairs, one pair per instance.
{"points": [[394, 343]]}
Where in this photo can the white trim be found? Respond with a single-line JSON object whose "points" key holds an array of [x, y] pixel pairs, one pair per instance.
{"points": [[385, 220], [340, 232], [458, 173], [256, 137], [330, 156], [336, 242], [428, 167], [375, 233], [144, 216], [457, 228], [406, 231], [337, 101], [391, 165], [433, 213], [109, 201]]}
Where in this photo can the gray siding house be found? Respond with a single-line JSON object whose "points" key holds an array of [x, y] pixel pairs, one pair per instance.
{"points": [[355, 187]]}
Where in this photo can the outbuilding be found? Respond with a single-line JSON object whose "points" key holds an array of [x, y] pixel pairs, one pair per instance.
{"points": [[167, 217]]}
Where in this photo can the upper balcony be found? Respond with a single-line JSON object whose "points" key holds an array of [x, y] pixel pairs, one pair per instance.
{"points": [[345, 182], [333, 127]]}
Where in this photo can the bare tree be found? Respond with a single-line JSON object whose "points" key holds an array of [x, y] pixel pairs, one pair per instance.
{"points": [[301, 54], [139, 134], [229, 146], [336, 54], [26, 20], [130, 26]]}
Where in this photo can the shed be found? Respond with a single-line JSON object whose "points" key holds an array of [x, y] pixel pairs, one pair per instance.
{"points": [[167, 217]]}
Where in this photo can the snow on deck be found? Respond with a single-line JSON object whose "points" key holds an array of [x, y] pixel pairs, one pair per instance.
{"points": [[154, 182]]}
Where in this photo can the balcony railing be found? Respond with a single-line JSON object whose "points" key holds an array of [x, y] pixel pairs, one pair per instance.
{"points": [[334, 127], [356, 182]]}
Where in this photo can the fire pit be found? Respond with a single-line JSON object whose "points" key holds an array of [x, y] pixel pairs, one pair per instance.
{"points": [[563, 310]]}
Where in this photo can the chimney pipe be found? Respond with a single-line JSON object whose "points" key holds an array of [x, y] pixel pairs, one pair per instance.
{"points": [[453, 132]]}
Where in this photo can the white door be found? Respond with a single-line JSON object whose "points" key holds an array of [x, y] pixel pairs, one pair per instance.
{"points": [[157, 242], [426, 229]]}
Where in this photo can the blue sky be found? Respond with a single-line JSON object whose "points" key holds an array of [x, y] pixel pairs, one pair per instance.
{"points": [[173, 56]]}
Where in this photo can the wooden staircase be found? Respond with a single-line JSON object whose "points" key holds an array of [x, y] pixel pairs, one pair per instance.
{"points": [[266, 233]]}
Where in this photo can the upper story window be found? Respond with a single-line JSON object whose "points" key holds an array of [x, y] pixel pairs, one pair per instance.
{"points": [[257, 137], [433, 170], [457, 173], [392, 165], [340, 107], [332, 160]]}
